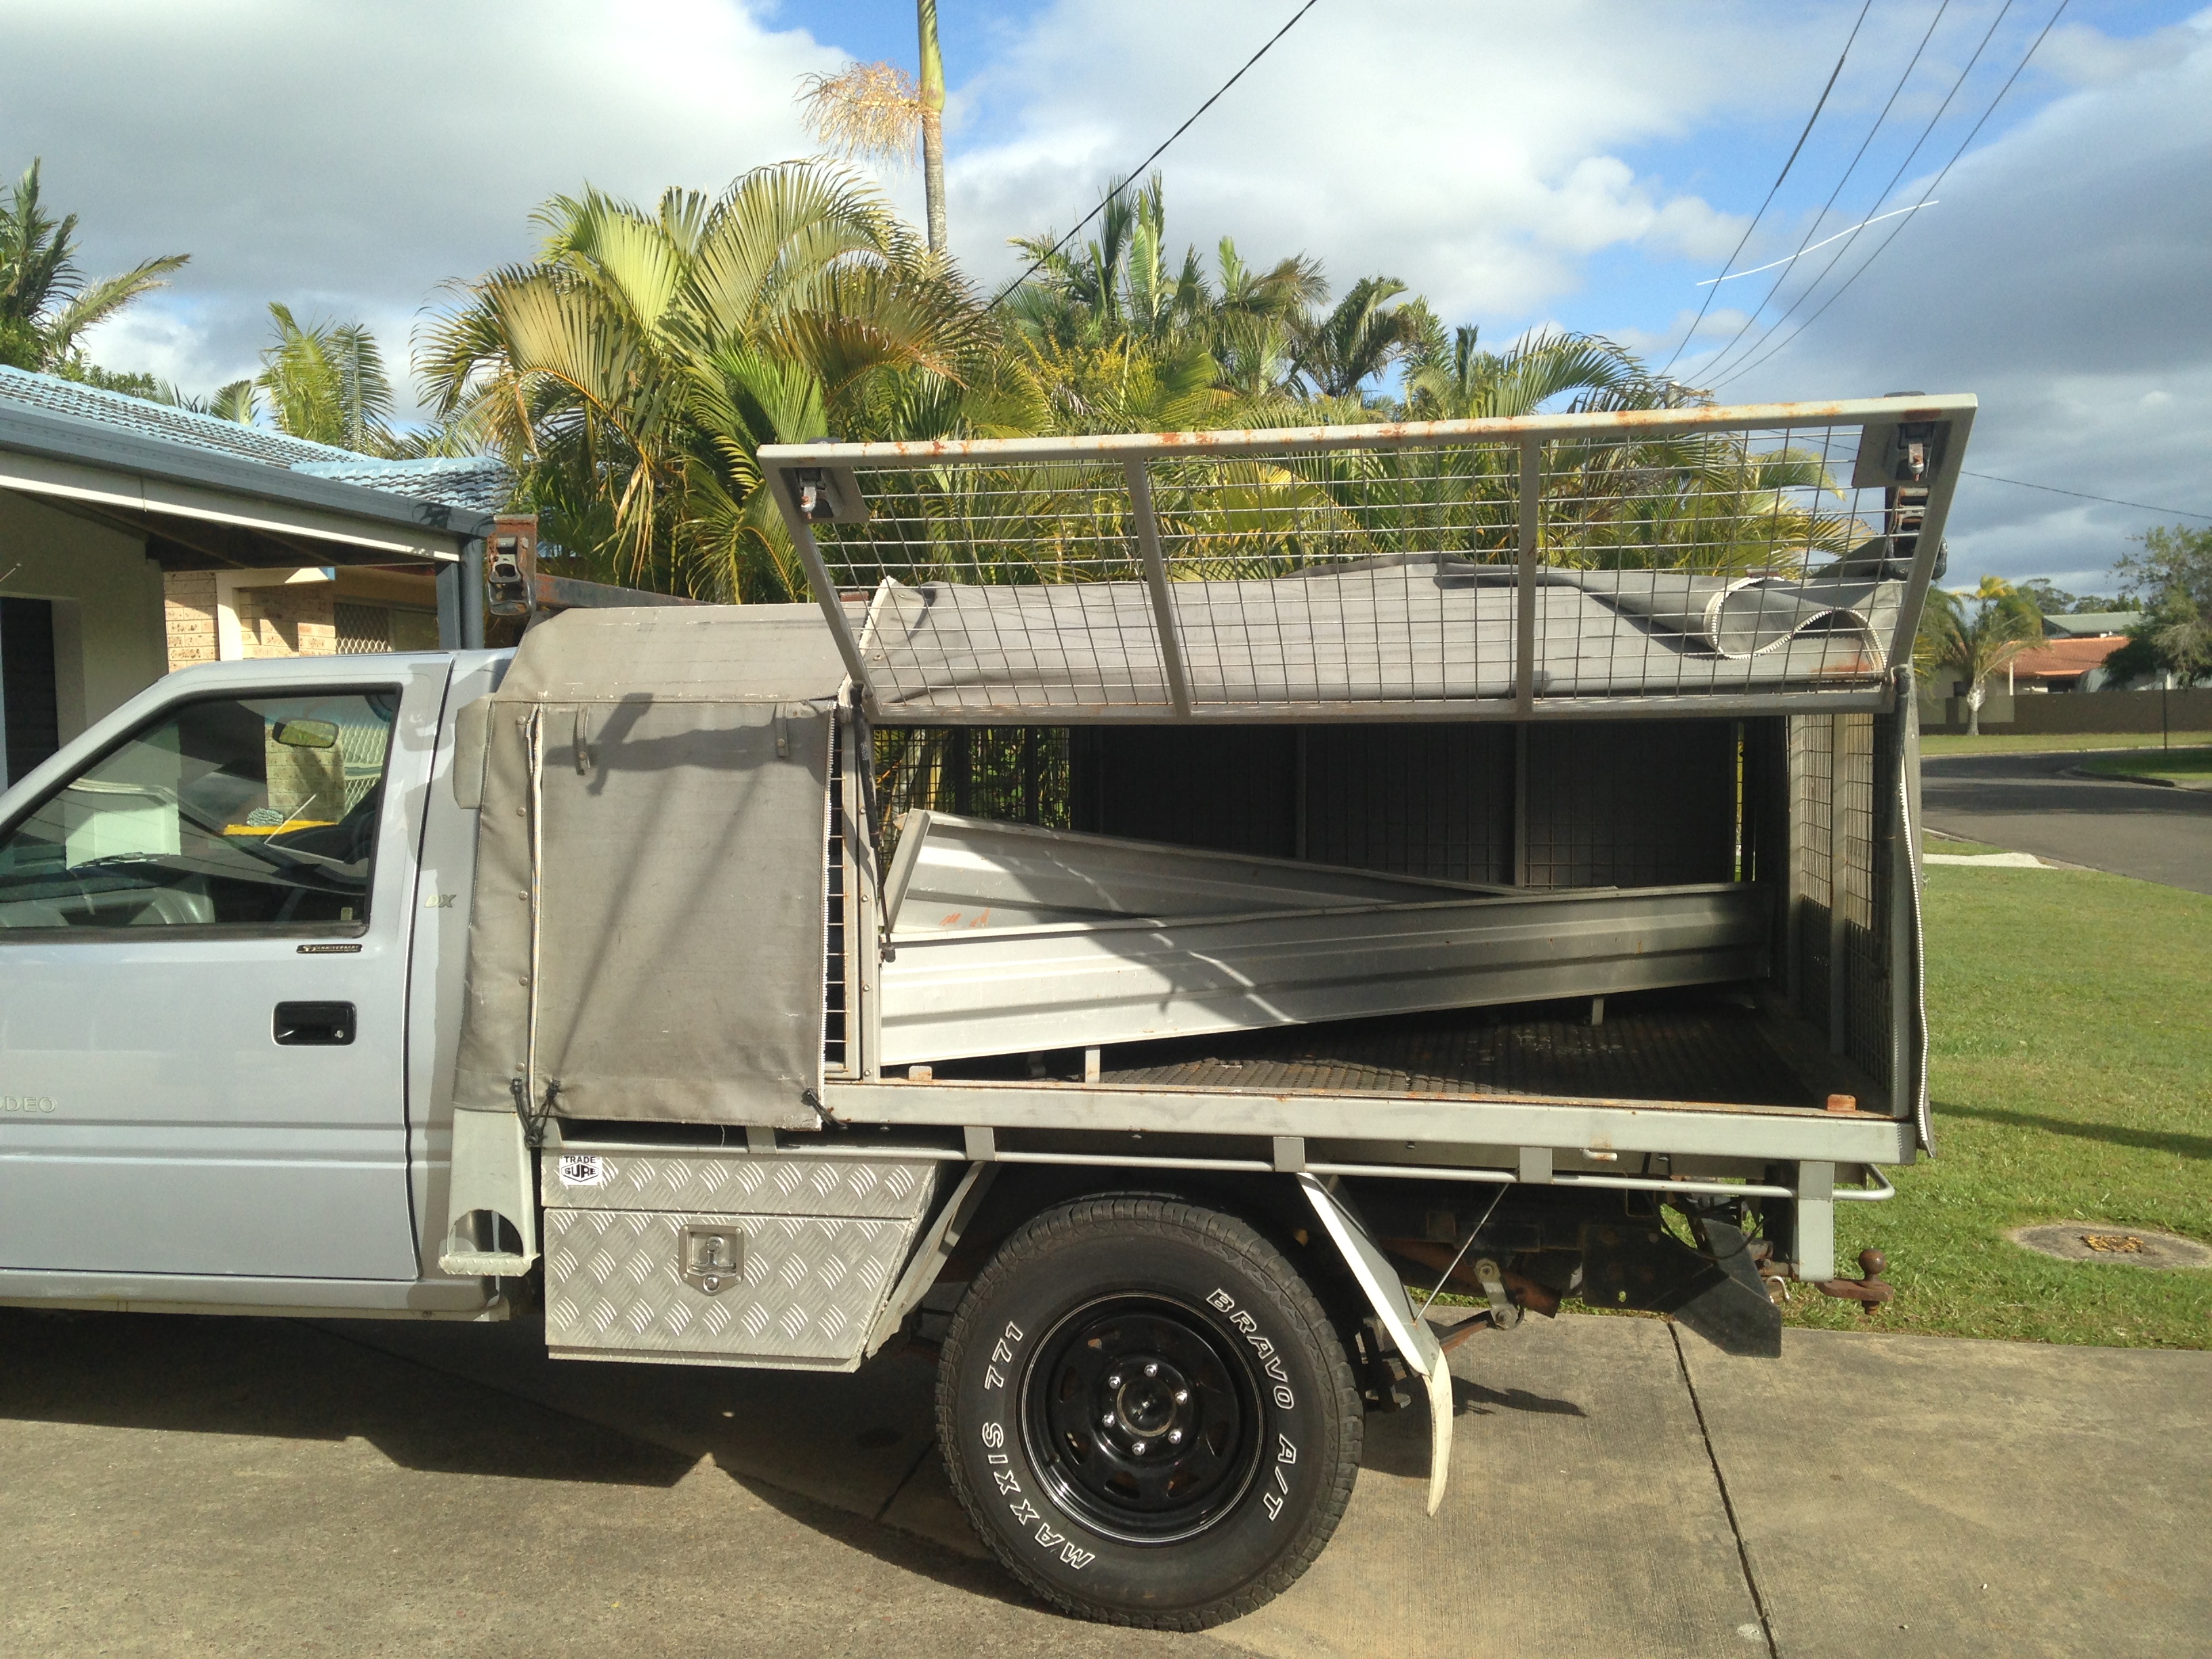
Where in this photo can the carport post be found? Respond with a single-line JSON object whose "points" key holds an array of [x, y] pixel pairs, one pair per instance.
{"points": [[472, 594], [461, 599]]}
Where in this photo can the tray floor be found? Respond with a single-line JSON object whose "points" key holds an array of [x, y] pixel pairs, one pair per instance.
{"points": [[1655, 1046]]}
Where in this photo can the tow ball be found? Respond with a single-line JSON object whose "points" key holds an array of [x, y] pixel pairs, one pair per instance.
{"points": [[1869, 1290]]}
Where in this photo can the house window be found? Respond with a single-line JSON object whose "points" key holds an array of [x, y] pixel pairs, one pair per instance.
{"points": [[30, 712]]}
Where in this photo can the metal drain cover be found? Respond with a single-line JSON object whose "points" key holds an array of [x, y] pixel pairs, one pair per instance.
{"points": [[2098, 1241]]}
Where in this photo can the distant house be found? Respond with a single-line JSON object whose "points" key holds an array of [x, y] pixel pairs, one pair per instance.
{"points": [[2091, 625], [2063, 663], [136, 538]]}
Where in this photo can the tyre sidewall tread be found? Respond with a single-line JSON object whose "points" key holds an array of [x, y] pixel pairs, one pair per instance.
{"points": [[1198, 1255]]}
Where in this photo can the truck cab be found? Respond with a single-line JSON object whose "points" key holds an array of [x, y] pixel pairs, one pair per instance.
{"points": [[224, 911]]}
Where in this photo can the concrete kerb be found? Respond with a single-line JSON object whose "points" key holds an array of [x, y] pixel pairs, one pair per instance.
{"points": [[2088, 776]]}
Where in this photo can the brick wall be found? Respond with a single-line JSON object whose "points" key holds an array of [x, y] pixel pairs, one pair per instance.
{"points": [[299, 620], [188, 602]]}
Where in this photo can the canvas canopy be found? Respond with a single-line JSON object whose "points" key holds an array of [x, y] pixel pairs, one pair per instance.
{"points": [[647, 935]]}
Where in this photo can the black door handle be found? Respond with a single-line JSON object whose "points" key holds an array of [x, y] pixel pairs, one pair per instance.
{"points": [[314, 1024]]}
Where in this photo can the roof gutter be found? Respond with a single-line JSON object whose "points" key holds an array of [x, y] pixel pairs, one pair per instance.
{"points": [[46, 454]]}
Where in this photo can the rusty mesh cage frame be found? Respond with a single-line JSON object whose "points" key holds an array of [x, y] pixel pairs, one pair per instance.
{"points": [[1737, 560]]}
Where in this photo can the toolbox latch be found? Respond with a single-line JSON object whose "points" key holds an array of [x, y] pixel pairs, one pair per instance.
{"points": [[710, 1256]]}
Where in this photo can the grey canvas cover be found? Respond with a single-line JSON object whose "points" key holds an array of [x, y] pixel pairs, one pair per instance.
{"points": [[648, 932]]}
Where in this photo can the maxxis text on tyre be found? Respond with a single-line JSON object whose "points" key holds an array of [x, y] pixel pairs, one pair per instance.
{"points": [[1146, 1412]]}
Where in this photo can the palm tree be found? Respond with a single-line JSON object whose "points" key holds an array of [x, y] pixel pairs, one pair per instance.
{"points": [[932, 122], [876, 112], [238, 400], [326, 383], [1977, 634], [1219, 350], [1464, 382], [633, 370], [1360, 340], [46, 305]]}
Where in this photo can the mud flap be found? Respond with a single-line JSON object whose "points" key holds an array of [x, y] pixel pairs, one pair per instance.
{"points": [[1386, 1294], [1716, 1292]]}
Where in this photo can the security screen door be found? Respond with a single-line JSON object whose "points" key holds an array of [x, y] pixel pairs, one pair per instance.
{"points": [[203, 973]]}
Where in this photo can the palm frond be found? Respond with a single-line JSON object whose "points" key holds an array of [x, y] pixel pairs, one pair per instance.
{"points": [[870, 112]]}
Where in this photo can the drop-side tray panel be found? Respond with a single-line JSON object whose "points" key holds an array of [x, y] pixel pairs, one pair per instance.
{"points": [[960, 872], [991, 991]]}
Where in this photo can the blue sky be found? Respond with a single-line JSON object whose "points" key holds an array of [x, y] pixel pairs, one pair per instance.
{"points": [[1584, 164]]}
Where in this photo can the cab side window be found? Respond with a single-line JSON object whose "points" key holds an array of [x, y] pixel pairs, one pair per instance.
{"points": [[247, 812]]}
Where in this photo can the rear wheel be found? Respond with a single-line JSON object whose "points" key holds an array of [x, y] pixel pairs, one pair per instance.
{"points": [[1146, 1412]]}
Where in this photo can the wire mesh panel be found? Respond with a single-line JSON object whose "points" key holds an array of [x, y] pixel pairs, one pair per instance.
{"points": [[1229, 788], [1839, 909], [1869, 784], [1490, 567], [1430, 799], [1812, 785], [1630, 804], [1015, 775], [837, 1049]]}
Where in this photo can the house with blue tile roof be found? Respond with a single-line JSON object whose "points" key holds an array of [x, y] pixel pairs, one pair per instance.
{"points": [[136, 538]]}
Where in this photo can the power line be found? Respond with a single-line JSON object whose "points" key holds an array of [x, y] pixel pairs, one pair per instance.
{"points": [[2083, 494], [1857, 155], [1820, 104], [1835, 259], [1822, 243], [1933, 185], [1046, 257]]}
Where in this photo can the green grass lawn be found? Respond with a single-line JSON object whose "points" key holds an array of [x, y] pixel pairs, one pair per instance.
{"points": [[2190, 767], [2072, 1080], [2013, 742]]}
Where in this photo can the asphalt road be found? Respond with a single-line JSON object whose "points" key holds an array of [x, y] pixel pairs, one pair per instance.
{"points": [[180, 1486], [2026, 804]]}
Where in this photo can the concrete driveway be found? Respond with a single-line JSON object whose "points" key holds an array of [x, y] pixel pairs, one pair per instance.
{"points": [[2026, 802], [187, 1485]]}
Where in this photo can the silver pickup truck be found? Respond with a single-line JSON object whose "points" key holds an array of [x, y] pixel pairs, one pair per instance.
{"points": [[1163, 897]]}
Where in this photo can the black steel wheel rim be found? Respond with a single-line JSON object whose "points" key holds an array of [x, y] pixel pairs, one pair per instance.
{"points": [[1142, 1417]]}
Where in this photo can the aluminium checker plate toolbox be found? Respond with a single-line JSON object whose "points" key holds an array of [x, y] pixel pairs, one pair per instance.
{"points": [[703, 1256]]}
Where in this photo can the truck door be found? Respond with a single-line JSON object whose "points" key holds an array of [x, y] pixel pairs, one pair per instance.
{"points": [[204, 935]]}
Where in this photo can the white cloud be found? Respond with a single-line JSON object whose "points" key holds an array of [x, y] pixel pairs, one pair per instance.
{"points": [[1480, 155], [1514, 164], [347, 157], [2063, 283]]}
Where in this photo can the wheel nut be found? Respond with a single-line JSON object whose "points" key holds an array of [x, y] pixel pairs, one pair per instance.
{"points": [[1107, 1419], [1114, 1381], [1152, 1370], [1182, 1397], [1139, 1449], [1174, 1437]]}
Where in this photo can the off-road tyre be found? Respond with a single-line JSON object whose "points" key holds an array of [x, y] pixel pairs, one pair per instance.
{"points": [[1124, 1527]]}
